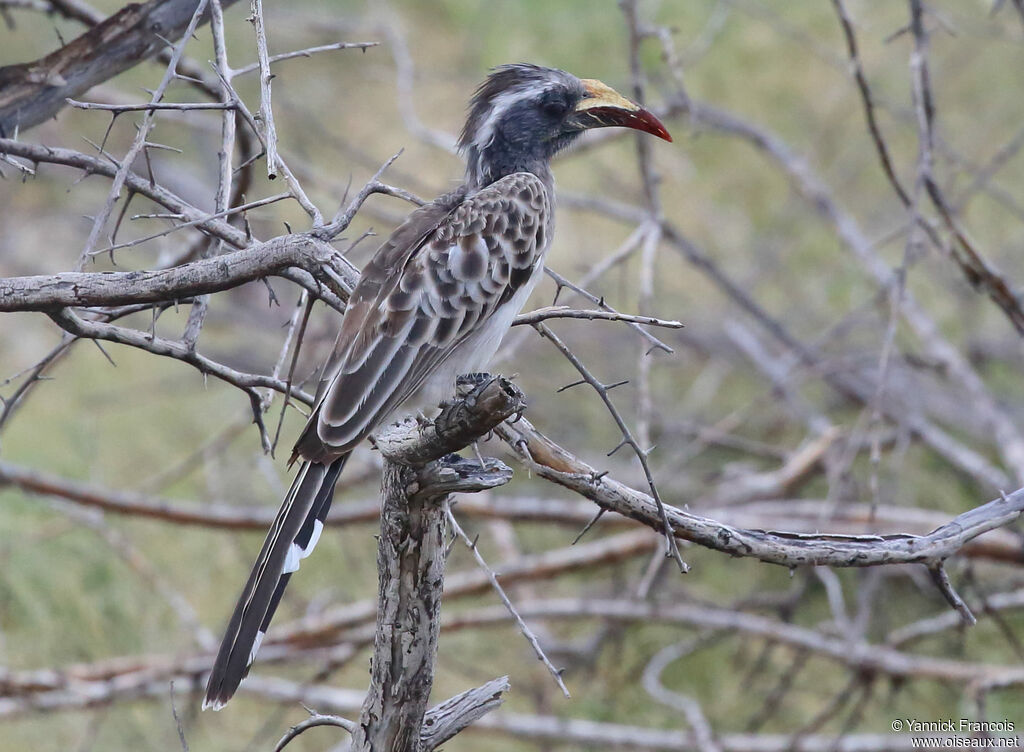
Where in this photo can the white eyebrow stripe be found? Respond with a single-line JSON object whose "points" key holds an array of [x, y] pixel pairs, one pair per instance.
{"points": [[500, 105]]}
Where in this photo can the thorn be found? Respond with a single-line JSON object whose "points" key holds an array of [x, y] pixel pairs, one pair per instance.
{"points": [[618, 446], [589, 525], [570, 386]]}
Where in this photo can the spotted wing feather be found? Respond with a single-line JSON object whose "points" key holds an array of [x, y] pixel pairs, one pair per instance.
{"points": [[415, 306]]}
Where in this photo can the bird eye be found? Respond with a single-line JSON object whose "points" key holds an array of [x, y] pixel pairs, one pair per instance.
{"points": [[554, 107]]}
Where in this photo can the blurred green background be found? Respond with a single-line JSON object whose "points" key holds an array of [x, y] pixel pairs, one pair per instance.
{"points": [[75, 588]]}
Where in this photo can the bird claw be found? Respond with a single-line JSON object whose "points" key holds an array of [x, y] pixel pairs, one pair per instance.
{"points": [[470, 383], [479, 457], [464, 383], [473, 379]]}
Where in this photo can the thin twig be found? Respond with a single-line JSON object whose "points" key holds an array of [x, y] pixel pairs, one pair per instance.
{"points": [[139, 143], [315, 719], [941, 579], [671, 547], [565, 312], [306, 52], [471, 544]]}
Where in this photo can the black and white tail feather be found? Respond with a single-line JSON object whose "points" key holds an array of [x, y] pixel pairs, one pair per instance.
{"points": [[433, 302], [291, 539]]}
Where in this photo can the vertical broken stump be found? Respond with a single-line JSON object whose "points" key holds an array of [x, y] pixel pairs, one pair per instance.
{"points": [[419, 474]]}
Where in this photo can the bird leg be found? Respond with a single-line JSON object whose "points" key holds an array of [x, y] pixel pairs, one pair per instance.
{"points": [[465, 385]]}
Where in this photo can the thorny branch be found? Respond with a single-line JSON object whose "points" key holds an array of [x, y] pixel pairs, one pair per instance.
{"points": [[550, 461], [923, 382], [976, 268]]}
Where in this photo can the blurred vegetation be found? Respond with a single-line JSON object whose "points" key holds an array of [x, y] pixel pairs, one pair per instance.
{"points": [[67, 596]]}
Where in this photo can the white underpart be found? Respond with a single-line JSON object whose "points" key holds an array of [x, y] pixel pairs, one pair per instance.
{"points": [[252, 653]]}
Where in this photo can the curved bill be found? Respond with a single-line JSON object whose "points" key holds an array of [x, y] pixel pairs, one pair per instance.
{"points": [[639, 119], [604, 107]]}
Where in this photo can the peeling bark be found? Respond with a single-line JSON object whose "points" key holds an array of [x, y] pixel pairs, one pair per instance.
{"points": [[32, 92]]}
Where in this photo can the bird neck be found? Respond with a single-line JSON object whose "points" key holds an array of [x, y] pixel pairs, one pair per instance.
{"points": [[499, 158]]}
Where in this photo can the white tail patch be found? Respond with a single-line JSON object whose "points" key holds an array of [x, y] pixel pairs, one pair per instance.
{"points": [[318, 527], [212, 705], [255, 647], [296, 553], [291, 561]]}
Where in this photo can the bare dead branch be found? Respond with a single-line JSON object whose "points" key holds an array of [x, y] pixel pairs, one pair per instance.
{"points": [[411, 560], [266, 114], [671, 547], [135, 183], [445, 720], [976, 268], [247, 382], [315, 719], [34, 92], [554, 463], [493, 579], [565, 312], [139, 143], [149, 106], [941, 579], [861, 656], [307, 52], [86, 289], [479, 408]]}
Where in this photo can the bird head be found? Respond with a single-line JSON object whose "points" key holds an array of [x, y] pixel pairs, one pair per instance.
{"points": [[523, 114]]}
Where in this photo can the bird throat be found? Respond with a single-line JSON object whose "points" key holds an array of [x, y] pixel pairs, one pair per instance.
{"points": [[500, 158]]}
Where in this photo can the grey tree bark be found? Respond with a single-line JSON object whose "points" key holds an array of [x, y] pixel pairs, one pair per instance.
{"points": [[419, 475], [32, 92]]}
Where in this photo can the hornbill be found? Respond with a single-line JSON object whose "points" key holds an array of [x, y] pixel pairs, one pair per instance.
{"points": [[434, 302]]}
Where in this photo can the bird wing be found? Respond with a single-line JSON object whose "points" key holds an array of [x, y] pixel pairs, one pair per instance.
{"points": [[439, 277], [423, 293]]}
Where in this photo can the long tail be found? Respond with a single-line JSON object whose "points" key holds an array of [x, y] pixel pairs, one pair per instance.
{"points": [[292, 537]]}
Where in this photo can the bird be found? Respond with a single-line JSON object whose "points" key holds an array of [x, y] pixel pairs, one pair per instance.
{"points": [[432, 303]]}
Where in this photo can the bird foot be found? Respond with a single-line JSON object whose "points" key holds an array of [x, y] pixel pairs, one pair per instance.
{"points": [[473, 379], [468, 383]]}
